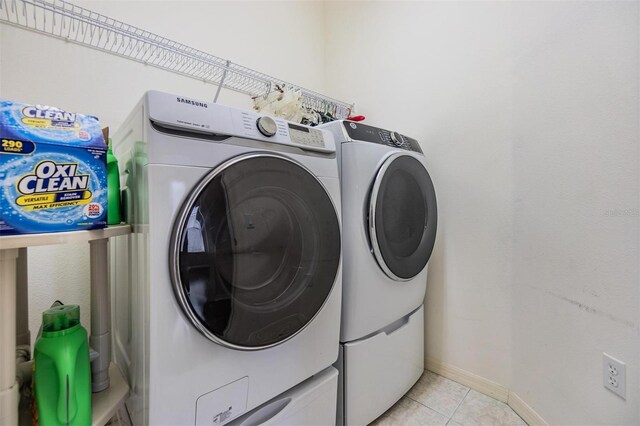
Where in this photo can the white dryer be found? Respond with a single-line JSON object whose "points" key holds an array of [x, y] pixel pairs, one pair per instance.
{"points": [[228, 292], [389, 218]]}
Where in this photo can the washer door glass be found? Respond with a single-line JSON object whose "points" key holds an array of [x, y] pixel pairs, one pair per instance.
{"points": [[402, 217], [255, 252]]}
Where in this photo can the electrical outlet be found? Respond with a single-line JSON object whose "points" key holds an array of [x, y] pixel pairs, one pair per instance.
{"points": [[614, 375]]}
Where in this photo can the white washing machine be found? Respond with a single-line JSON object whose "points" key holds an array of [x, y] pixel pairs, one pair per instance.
{"points": [[228, 291], [389, 218]]}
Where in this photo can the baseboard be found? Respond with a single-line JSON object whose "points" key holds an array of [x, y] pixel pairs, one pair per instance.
{"points": [[469, 379], [527, 413], [487, 387]]}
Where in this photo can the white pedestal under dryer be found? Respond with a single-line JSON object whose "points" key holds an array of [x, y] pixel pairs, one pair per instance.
{"points": [[228, 291], [389, 218]]}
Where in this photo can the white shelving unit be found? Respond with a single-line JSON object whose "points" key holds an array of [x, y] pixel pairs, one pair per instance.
{"points": [[13, 287], [66, 21]]}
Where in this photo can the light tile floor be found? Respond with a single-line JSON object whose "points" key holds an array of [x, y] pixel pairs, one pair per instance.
{"points": [[437, 401]]}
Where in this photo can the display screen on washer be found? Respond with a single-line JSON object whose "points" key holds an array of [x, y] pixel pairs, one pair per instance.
{"points": [[299, 128], [403, 217], [256, 251]]}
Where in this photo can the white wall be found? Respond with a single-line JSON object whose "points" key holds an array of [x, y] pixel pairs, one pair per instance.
{"points": [[38, 69], [576, 157], [528, 114]]}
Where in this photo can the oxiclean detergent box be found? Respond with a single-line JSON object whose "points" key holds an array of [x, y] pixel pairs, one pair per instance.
{"points": [[52, 169]]}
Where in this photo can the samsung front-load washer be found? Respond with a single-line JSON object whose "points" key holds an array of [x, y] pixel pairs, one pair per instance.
{"points": [[389, 218], [228, 291]]}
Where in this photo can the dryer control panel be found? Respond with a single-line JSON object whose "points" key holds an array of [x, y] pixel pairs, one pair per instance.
{"points": [[363, 132]]}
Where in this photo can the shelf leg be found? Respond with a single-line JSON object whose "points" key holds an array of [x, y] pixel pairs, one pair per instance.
{"points": [[9, 395], [23, 335], [100, 339]]}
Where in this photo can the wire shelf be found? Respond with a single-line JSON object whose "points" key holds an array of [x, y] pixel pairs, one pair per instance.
{"points": [[66, 21]]}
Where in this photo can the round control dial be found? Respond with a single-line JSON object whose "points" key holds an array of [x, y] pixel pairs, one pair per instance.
{"points": [[267, 126], [396, 138]]}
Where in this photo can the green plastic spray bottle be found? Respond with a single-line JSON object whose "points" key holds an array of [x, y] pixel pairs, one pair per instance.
{"points": [[62, 373], [113, 188]]}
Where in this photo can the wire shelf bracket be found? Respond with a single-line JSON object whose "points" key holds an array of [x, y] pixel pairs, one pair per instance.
{"points": [[63, 20]]}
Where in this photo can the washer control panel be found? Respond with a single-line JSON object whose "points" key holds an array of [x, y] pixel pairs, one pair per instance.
{"points": [[363, 132], [218, 122], [276, 130], [306, 136]]}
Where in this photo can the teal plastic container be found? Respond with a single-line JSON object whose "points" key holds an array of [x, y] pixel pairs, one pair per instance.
{"points": [[113, 189], [62, 371]]}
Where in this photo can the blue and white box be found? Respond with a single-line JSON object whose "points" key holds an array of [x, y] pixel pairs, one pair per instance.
{"points": [[52, 168]]}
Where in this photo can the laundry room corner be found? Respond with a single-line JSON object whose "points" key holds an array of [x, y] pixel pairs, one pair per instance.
{"points": [[454, 242], [443, 78]]}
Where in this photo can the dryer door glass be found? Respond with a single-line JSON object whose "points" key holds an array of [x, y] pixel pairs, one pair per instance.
{"points": [[255, 252], [402, 217]]}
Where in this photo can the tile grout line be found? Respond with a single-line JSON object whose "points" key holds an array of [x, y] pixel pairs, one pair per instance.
{"points": [[430, 408], [449, 417], [465, 397]]}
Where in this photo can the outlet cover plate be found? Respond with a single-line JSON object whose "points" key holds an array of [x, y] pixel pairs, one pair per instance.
{"points": [[614, 375]]}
